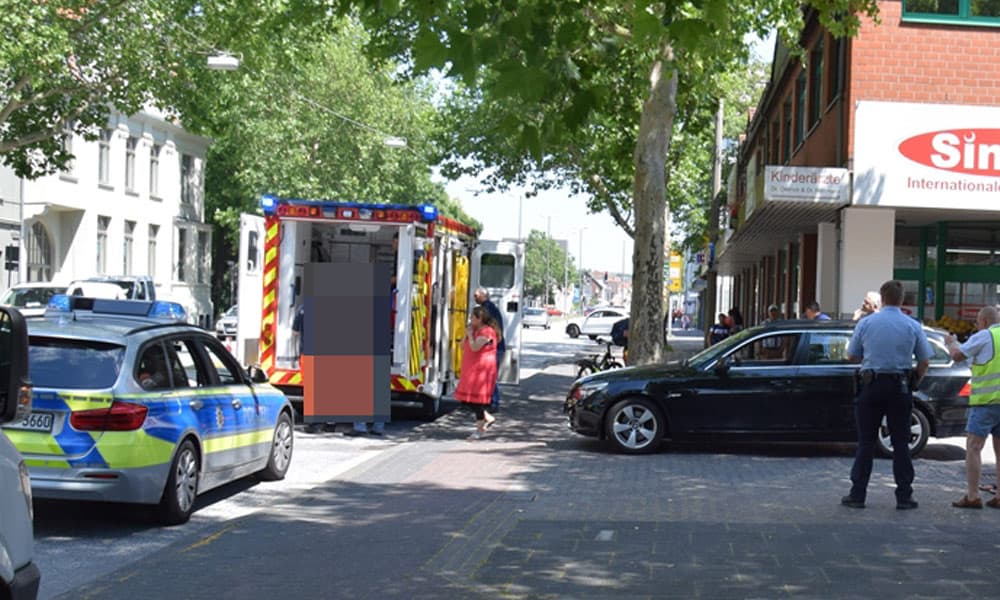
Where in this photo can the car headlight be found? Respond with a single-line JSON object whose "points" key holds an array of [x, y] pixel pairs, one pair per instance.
{"points": [[26, 487], [587, 389]]}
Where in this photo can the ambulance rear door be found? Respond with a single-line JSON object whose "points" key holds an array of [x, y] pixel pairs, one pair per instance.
{"points": [[251, 289], [499, 268]]}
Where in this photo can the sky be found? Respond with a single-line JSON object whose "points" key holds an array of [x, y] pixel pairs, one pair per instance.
{"points": [[604, 246]]}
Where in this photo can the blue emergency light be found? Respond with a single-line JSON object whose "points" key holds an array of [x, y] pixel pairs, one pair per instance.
{"points": [[268, 204], [160, 309], [428, 212]]}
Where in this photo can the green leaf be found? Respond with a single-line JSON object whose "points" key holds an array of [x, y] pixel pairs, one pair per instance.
{"points": [[690, 33], [428, 51], [532, 141], [645, 27]]}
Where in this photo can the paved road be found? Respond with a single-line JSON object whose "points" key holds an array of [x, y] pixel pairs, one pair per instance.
{"points": [[535, 511]]}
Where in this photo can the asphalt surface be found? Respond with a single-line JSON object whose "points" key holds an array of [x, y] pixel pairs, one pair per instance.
{"points": [[536, 511]]}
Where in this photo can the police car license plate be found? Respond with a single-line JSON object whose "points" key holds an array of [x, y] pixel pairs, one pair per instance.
{"points": [[35, 421]]}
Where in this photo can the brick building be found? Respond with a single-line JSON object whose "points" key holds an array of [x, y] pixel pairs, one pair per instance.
{"points": [[877, 157]]}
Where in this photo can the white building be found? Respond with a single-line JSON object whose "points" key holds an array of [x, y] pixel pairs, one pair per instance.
{"points": [[132, 203]]}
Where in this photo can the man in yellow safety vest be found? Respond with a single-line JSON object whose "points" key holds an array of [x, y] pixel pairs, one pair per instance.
{"points": [[984, 402]]}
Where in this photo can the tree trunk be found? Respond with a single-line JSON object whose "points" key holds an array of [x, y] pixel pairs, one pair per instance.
{"points": [[650, 201]]}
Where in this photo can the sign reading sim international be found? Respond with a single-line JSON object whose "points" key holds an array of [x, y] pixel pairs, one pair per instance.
{"points": [[927, 155], [806, 184]]}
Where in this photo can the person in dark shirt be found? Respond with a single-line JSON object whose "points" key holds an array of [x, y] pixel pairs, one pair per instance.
{"points": [[719, 331]]}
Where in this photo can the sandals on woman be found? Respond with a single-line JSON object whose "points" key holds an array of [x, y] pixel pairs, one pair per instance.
{"points": [[965, 502]]}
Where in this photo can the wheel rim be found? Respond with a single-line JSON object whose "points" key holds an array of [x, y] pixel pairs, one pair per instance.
{"points": [[186, 479], [635, 427], [885, 440], [281, 452]]}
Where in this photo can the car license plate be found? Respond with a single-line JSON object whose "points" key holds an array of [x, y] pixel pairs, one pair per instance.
{"points": [[36, 421]]}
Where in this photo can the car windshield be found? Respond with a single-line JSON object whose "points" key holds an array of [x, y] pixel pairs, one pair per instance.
{"points": [[534, 311], [73, 364], [232, 311], [30, 297], [710, 354]]}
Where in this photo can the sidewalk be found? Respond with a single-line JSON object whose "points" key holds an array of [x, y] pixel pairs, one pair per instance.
{"points": [[536, 511]]}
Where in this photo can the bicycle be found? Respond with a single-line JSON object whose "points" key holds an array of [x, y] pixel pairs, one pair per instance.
{"points": [[598, 362]]}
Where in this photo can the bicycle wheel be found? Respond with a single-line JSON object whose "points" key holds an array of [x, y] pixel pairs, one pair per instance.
{"points": [[613, 364], [586, 369]]}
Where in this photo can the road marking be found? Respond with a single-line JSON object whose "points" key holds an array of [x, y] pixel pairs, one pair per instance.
{"points": [[605, 535]]}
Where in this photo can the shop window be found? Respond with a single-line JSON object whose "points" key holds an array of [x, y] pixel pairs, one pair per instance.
{"points": [[973, 245], [910, 290], [962, 300], [972, 12]]}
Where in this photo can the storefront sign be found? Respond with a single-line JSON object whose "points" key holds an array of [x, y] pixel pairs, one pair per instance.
{"points": [[806, 184], [927, 155]]}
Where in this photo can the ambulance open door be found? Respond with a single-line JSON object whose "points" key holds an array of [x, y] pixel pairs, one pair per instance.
{"points": [[499, 267], [251, 289]]}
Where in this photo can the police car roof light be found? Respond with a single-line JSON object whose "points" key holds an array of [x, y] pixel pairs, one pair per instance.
{"points": [[136, 308]]}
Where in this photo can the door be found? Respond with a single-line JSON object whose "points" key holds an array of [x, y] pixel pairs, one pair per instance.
{"points": [[250, 292], [825, 385], [499, 268]]}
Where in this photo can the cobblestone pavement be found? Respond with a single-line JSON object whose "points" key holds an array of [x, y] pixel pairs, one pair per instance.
{"points": [[536, 511]]}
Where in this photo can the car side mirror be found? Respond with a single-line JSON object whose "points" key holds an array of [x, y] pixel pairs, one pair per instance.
{"points": [[15, 388], [257, 375]]}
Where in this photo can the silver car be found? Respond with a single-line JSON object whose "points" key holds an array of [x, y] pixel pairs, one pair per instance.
{"points": [[131, 404], [535, 317]]}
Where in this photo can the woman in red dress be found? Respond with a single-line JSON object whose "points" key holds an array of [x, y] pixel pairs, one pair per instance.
{"points": [[479, 367]]}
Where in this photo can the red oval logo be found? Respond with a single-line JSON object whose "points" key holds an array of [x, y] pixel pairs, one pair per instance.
{"points": [[968, 151]]}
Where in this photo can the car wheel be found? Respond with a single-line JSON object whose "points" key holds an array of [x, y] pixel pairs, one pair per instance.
{"points": [[635, 426], [920, 431], [573, 331], [181, 490], [281, 450]]}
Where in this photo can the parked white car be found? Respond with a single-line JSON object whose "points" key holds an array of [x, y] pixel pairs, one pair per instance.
{"points": [[535, 317], [31, 297], [598, 322], [226, 325]]}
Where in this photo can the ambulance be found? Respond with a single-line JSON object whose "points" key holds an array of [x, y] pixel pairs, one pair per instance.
{"points": [[438, 263]]}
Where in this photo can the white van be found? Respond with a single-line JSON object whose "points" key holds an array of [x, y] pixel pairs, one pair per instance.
{"points": [[19, 576]]}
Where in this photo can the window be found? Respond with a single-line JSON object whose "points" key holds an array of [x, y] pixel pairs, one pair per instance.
{"points": [[104, 158], [130, 146], [127, 247], [252, 259], [73, 364], [39, 254], [187, 179], [154, 230], [837, 61], [828, 349], [203, 254], [787, 139], [102, 244], [153, 369], [182, 240], [497, 271], [154, 170], [973, 244], [221, 368], [67, 145], [775, 143], [977, 12], [815, 83], [800, 108]]}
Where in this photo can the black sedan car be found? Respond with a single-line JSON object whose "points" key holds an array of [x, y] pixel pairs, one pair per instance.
{"points": [[786, 381]]}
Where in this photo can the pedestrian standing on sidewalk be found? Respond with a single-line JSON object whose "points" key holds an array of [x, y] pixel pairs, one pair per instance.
{"points": [[885, 344], [814, 312], [482, 298], [719, 331], [478, 378], [869, 305], [984, 402]]}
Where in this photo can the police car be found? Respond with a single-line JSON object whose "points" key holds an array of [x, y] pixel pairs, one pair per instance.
{"points": [[131, 404]]}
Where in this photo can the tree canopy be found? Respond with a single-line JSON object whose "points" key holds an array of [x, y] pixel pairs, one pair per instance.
{"points": [[545, 264], [585, 93]]}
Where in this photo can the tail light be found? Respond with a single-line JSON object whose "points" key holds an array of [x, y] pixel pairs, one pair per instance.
{"points": [[120, 416], [966, 390]]}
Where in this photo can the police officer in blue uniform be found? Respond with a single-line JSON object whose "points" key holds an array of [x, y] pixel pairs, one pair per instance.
{"points": [[885, 344]]}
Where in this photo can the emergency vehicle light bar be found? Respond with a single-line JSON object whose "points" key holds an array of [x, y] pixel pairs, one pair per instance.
{"points": [[347, 211], [162, 309]]}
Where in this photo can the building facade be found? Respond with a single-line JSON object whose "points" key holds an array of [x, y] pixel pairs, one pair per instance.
{"points": [[131, 203], [873, 158]]}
